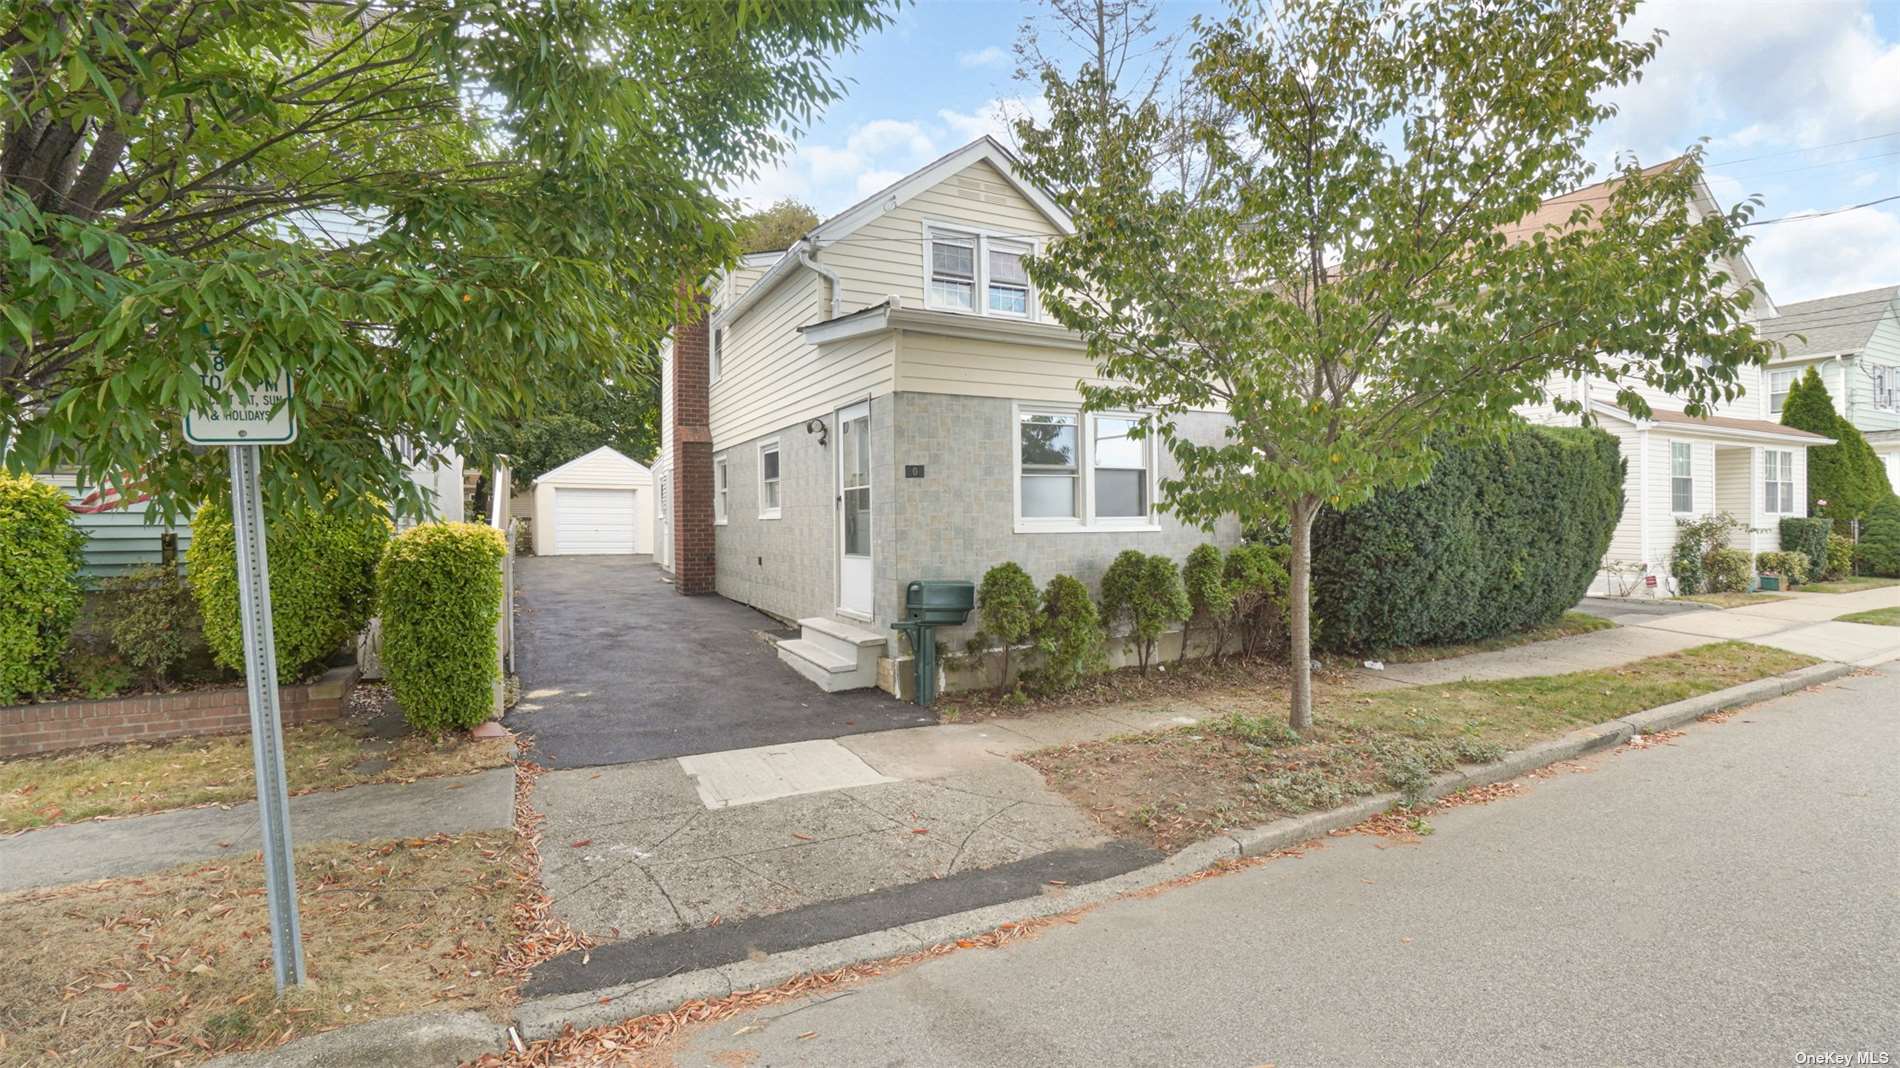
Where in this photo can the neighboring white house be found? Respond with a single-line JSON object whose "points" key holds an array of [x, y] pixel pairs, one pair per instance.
{"points": [[1853, 341], [600, 503], [1736, 460]]}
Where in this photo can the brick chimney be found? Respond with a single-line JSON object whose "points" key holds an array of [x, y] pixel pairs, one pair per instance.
{"points": [[693, 557]]}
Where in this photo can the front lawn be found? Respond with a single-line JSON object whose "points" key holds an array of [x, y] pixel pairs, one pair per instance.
{"points": [[1885, 617], [1177, 786], [175, 967], [1731, 600], [1572, 624], [1849, 585], [123, 780]]}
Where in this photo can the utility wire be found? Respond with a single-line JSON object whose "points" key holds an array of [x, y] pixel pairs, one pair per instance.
{"points": [[1822, 214], [1795, 151]]}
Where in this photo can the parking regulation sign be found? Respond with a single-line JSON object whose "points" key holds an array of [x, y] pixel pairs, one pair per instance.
{"points": [[258, 416]]}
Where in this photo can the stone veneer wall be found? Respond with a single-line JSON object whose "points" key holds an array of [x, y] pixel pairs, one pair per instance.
{"points": [[786, 566]]}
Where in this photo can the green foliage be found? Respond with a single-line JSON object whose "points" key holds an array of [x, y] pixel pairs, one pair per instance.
{"points": [[432, 214], [152, 620], [1729, 570], [1069, 637], [441, 597], [1006, 603], [1257, 587], [778, 226], [1208, 596], [565, 426], [322, 582], [39, 583], [1693, 561], [1879, 550], [1792, 566], [1847, 475], [1147, 592], [1436, 306], [1840, 556], [1808, 535], [1507, 534], [97, 676]]}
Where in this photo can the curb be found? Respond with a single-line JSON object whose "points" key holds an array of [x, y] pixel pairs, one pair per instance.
{"points": [[545, 1017]]}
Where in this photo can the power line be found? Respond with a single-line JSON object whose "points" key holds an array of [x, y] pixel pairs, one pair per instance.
{"points": [[1822, 214], [1795, 151], [1813, 167]]}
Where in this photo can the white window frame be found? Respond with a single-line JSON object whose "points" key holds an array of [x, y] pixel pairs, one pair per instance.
{"points": [[1086, 520], [722, 487], [981, 241], [1777, 493], [715, 355], [1675, 477], [1793, 377], [665, 498], [1884, 391], [772, 511]]}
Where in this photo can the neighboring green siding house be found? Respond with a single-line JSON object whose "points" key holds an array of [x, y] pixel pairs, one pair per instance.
{"points": [[118, 537], [1853, 341]]}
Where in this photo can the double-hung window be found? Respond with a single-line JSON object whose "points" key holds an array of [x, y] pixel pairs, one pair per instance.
{"points": [[977, 272], [1883, 388], [1081, 471], [1779, 383], [1681, 477], [720, 490], [768, 480], [1777, 481], [716, 356]]}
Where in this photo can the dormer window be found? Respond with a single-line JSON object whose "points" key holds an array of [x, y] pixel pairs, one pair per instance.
{"points": [[978, 272]]}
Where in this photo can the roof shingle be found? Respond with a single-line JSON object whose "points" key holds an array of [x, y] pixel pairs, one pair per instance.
{"points": [[1829, 325]]}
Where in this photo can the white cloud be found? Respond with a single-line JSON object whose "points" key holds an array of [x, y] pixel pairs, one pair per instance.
{"points": [[1855, 250], [992, 56], [995, 118]]}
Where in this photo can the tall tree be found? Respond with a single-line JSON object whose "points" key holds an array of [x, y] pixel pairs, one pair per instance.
{"points": [[430, 213], [1845, 480], [1359, 272], [777, 226]]}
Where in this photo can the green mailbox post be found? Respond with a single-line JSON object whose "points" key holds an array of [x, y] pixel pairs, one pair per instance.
{"points": [[929, 604]]}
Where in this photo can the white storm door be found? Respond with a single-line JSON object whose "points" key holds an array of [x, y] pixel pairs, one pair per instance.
{"points": [[854, 510]]}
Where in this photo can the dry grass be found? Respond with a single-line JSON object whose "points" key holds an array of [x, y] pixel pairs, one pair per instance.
{"points": [[1200, 681], [1572, 624], [1731, 600], [1884, 617], [1177, 786], [174, 967], [123, 780], [1849, 585]]}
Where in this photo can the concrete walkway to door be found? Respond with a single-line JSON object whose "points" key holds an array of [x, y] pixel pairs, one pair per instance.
{"points": [[616, 668]]}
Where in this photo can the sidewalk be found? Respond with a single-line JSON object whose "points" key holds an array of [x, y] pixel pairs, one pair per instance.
{"points": [[103, 849]]}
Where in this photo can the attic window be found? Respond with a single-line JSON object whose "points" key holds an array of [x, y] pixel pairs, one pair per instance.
{"points": [[977, 272], [1009, 284], [952, 270]]}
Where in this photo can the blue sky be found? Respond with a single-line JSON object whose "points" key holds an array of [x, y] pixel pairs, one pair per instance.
{"points": [[1777, 85]]}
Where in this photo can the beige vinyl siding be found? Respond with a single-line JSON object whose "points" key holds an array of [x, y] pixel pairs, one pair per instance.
{"points": [[1735, 488], [934, 363], [771, 377], [1626, 544], [886, 255], [738, 280]]}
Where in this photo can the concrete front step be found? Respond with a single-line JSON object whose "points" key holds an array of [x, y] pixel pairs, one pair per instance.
{"points": [[829, 670], [843, 639]]}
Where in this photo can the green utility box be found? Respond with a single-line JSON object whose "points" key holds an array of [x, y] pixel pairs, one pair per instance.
{"points": [[929, 604]]}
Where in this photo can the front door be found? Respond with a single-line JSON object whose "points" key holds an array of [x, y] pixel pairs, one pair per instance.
{"points": [[854, 510]]}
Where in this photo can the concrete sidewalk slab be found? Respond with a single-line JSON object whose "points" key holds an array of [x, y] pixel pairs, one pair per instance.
{"points": [[1593, 651], [1853, 643], [104, 849], [749, 776], [1735, 624]]}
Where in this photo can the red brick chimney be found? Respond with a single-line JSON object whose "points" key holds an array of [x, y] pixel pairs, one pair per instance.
{"points": [[692, 450]]}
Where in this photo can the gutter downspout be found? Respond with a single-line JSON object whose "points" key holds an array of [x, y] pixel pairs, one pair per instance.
{"points": [[837, 288]]}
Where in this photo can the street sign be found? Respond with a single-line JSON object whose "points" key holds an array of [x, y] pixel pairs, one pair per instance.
{"points": [[259, 416]]}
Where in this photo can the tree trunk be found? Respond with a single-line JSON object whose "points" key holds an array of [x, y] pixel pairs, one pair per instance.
{"points": [[1300, 614]]}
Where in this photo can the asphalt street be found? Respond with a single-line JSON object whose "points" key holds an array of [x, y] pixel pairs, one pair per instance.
{"points": [[1731, 897]]}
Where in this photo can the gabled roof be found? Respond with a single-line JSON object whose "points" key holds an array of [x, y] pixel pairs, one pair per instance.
{"points": [[1718, 425], [608, 451], [1831, 326]]}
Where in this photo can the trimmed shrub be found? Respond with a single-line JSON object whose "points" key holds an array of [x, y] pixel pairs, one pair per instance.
{"points": [[1209, 599], [1697, 541], [1686, 566], [1506, 534], [1847, 474], [1789, 565], [1807, 535], [1729, 571], [1879, 550], [39, 584], [1069, 637], [441, 601], [1006, 603], [152, 621], [1148, 591], [1840, 556], [1256, 587], [322, 583]]}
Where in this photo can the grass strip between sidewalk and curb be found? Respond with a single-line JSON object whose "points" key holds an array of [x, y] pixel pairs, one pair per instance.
{"points": [[1731, 600], [1850, 585], [1880, 617], [138, 778]]}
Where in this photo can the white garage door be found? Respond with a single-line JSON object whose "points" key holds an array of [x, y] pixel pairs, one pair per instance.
{"points": [[593, 521]]}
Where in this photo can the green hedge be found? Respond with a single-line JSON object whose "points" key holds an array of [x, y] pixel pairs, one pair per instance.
{"points": [[39, 584], [441, 600], [1504, 535], [322, 583], [1847, 474], [1879, 550], [1807, 535]]}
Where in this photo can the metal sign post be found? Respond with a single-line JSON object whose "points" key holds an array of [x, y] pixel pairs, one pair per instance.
{"points": [[245, 423]]}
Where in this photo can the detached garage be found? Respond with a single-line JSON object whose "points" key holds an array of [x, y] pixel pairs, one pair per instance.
{"points": [[599, 503]]}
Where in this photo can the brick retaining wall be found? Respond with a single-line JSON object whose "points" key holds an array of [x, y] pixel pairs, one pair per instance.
{"points": [[46, 728]]}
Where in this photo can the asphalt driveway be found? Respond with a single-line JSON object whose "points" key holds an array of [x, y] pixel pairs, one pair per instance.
{"points": [[616, 667]]}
